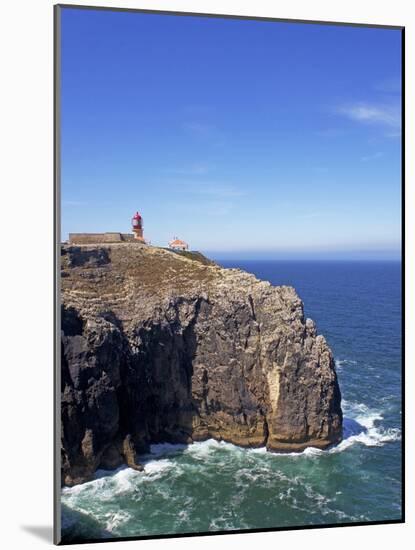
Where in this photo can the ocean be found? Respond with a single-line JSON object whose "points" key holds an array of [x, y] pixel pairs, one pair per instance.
{"points": [[212, 486]]}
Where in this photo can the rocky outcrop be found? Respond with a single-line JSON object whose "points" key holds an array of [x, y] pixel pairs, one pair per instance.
{"points": [[159, 346]]}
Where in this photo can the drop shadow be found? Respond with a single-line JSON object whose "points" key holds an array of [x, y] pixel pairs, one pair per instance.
{"points": [[42, 532]]}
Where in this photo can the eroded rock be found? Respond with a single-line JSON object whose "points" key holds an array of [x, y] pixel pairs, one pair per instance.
{"points": [[160, 347]]}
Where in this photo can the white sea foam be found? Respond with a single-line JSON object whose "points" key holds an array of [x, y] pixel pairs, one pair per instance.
{"points": [[201, 450], [114, 520], [156, 468], [183, 516], [325, 504], [103, 488], [344, 362], [308, 451], [124, 481], [258, 450], [250, 474], [89, 487], [247, 469], [312, 451], [362, 425]]}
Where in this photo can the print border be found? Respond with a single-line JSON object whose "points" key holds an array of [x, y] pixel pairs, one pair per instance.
{"points": [[57, 10]]}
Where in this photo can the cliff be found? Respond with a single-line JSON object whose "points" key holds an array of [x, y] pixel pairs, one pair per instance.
{"points": [[161, 346]]}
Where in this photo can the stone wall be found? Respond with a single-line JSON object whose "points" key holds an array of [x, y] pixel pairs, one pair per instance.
{"points": [[100, 238]]}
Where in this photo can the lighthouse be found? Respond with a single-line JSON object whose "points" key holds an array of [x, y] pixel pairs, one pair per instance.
{"points": [[137, 223]]}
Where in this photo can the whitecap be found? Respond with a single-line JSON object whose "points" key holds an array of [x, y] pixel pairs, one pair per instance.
{"points": [[89, 487], [156, 468], [362, 425], [258, 450], [200, 450], [308, 451], [373, 437], [124, 480], [312, 451], [115, 519]]}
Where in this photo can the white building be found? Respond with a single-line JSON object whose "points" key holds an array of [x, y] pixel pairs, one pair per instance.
{"points": [[178, 244]]}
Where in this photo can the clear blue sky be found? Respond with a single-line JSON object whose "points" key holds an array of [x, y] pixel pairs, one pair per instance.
{"points": [[245, 138]]}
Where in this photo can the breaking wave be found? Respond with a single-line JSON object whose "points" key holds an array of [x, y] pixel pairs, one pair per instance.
{"points": [[363, 425], [214, 485]]}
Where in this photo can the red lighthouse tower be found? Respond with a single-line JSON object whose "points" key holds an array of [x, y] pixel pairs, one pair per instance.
{"points": [[137, 223]]}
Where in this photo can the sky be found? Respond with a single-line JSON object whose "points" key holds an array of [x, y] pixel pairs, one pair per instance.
{"points": [[247, 139]]}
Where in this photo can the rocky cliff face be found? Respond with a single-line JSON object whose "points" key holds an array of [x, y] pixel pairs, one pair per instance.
{"points": [[158, 346]]}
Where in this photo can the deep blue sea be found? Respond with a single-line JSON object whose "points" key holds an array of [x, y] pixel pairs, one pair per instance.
{"points": [[214, 486]]}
